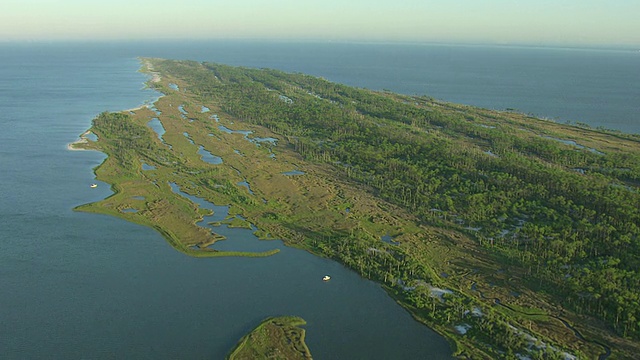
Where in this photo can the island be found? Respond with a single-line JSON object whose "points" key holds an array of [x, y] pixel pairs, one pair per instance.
{"points": [[510, 235], [275, 338]]}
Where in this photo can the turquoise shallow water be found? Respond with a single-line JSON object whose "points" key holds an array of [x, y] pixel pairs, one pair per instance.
{"points": [[89, 286]]}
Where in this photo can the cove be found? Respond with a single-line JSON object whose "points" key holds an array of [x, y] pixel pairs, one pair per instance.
{"points": [[347, 317]]}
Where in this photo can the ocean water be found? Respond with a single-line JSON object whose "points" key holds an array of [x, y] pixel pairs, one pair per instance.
{"points": [[77, 285], [593, 86]]}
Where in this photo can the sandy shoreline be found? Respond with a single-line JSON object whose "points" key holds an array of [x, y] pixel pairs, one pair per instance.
{"points": [[148, 68], [81, 140], [136, 108], [155, 78]]}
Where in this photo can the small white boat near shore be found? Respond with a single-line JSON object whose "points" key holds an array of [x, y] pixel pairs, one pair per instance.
{"points": [[326, 278], [94, 185]]}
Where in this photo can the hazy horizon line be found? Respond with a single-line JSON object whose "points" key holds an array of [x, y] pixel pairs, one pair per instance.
{"points": [[524, 44]]}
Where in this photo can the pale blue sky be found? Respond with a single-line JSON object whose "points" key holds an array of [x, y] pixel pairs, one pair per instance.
{"points": [[558, 22]]}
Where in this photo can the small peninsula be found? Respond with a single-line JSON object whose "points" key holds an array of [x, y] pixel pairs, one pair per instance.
{"points": [[512, 236]]}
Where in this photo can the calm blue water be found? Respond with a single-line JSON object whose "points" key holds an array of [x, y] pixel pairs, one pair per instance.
{"points": [[77, 285], [597, 87]]}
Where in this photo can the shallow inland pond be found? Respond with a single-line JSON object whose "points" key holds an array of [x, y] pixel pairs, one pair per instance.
{"points": [[389, 240], [186, 134], [269, 140], [245, 184], [229, 131], [293, 173], [157, 126], [147, 167], [209, 157]]}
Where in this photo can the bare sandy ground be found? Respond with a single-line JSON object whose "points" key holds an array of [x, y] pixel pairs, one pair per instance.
{"points": [[81, 140]]}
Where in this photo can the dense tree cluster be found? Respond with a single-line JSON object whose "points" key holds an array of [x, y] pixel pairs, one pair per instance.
{"points": [[567, 214]]}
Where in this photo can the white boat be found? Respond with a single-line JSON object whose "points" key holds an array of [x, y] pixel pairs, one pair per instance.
{"points": [[326, 278], [94, 185]]}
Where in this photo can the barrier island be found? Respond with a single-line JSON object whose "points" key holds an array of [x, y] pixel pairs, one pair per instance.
{"points": [[510, 235]]}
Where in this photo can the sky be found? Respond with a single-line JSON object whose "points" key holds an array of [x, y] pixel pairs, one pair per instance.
{"points": [[538, 22]]}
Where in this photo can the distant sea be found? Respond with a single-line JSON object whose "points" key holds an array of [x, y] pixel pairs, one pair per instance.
{"points": [[594, 86], [598, 87], [76, 285]]}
